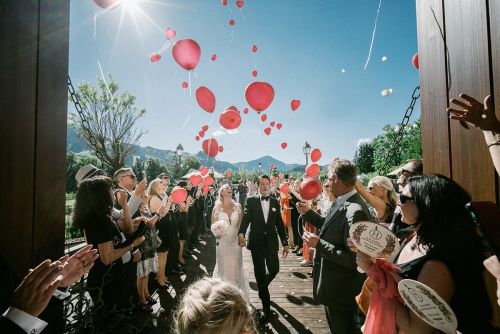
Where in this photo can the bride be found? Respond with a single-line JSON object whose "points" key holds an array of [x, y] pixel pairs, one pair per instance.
{"points": [[229, 258]]}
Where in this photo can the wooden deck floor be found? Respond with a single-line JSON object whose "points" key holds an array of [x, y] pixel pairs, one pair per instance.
{"points": [[294, 310]]}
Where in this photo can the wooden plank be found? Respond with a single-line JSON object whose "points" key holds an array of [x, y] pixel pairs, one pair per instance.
{"points": [[18, 65], [467, 42], [433, 88], [50, 187], [495, 65]]}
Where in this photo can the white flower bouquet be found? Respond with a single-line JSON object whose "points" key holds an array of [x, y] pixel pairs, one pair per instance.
{"points": [[219, 228]]}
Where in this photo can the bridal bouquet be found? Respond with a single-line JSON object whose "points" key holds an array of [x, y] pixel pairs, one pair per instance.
{"points": [[219, 228]]}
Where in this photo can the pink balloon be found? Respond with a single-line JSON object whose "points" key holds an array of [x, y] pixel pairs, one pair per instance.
{"points": [[155, 57], [254, 48], [179, 195], [230, 119], [204, 127], [203, 170], [232, 22], [184, 85], [315, 155], [224, 2], [186, 53], [221, 149], [210, 147], [254, 73], [214, 57], [208, 180], [240, 3], [284, 145], [201, 133], [295, 104], [313, 170], [229, 173], [263, 118], [414, 61], [284, 188], [272, 123], [267, 131], [259, 95], [205, 99], [197, 138], [195, 179], [310, 188], [170, 33], [106, 3], [231, 108], [245, 110], [279, 125]]}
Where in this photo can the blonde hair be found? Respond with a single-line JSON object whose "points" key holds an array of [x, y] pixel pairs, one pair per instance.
{"points": [[153, 190], [213, 306], [218, 201], [386, 183]]}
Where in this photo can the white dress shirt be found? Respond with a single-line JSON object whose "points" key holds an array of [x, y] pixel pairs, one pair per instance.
{"points": [[265, 207], [27, 322]]}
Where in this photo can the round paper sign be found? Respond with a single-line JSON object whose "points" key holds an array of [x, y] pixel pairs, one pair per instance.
{"points": [[428, 305], [374, 239]]}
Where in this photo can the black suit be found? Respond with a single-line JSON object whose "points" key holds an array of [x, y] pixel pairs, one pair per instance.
{"points": [[7, 326], [263, 243]]}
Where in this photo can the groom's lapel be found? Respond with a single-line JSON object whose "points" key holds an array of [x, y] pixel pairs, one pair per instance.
{"points": [[259, 209]]}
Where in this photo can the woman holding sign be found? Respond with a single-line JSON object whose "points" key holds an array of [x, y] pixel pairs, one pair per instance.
{"points": [[445, 254]]}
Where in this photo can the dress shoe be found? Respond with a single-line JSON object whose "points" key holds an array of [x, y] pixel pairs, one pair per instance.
{"points": [[264, 315], [306, 263]]}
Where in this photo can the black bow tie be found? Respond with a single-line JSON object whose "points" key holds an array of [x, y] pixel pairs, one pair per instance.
{"points": [[264, 198]]}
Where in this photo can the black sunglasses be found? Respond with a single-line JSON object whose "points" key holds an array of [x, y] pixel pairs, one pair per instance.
{"points": [[403, 198]]}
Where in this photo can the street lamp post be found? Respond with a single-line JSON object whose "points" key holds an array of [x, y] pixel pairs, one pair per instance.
{"points": [[260, 168], [178, 152], [306, 149]]}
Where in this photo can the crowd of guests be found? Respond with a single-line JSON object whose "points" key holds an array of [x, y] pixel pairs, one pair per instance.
{"points": [[139, 233]]}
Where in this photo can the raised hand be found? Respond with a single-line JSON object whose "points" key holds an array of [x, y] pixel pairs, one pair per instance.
{"points": [[140, 189], [474, 112], [75, 266]]}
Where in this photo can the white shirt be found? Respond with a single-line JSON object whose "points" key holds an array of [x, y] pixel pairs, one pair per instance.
{"points": [[265, 207], [27, 322]]}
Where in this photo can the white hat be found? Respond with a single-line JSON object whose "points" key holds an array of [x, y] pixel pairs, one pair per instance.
{"points": [[86, 172]]}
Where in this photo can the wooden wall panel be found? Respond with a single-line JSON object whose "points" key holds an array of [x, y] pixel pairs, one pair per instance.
{"points": [[18, 68], [50, 187], [433, 89], [467, 43]]}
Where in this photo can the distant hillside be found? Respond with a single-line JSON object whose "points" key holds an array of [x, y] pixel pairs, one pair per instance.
{"points": [[74, 144]]}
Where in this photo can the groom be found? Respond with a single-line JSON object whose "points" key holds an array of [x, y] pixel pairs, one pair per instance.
{"points": [[262, 212]]}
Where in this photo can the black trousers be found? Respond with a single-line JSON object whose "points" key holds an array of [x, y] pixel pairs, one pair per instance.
{"points": [[342, 321], [266, 265]]}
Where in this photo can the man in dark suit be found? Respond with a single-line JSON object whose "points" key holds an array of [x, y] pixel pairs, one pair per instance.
{"points": [[262, 214], [336, 279]]}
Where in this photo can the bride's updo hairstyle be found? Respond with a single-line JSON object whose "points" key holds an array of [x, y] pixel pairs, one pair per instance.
{"points": [[218, 201], [213, 306]]}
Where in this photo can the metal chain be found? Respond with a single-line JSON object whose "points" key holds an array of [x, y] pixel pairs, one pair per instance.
{"points": [[85, 122], [406, 118]]}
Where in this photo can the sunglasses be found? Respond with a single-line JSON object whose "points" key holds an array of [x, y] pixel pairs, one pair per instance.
{"points": [[403, 198], [132, 176], [372, 187]]}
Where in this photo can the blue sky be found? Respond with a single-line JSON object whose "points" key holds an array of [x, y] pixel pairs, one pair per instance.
{"points": [[302, 48]]}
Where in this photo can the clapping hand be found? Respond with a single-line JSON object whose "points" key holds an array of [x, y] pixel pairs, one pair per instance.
{"points": [[311, 239], [121, 198], [76, 265], [475, 113], [140, 189]]}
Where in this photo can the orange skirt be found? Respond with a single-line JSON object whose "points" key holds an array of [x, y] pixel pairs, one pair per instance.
{"points": [[286, 214]]}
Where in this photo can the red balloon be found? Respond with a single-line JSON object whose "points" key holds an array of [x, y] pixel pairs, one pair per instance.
{"points": [[170, 33], [179, 195], [201, 133], [184, 85], [315, 155], [106, 3], [214, 57], [284, 188], [208, 180], [279, 125], [230, 119], [240, 3], [197, 138], [210, 147], [205, 99], [263, 118], [224, 2], [310, 188], [313, 170], [231, 108], [205, 189], [221, 149], [284, 145], [259, 95], [204, 127], [254, 48], [155, 57], [245, 111], [414, 61], [272, 123], [229, 173], [254, 73], [232, 22], [267, 131], [203, 170], [295, 104], [195, 179], [186, 53]]}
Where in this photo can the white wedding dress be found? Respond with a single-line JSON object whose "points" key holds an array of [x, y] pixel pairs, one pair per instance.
{"points": [[229, 257]]}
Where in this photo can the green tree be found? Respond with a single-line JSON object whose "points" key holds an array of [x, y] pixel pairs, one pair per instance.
{"points": [[73, 163], [153, 168], [139, 168], [363, 158], [111, 117]]}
